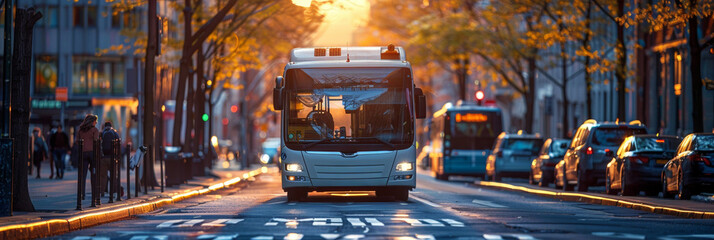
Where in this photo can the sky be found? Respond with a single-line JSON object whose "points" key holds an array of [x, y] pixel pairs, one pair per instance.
{"points": [[341, 20]]}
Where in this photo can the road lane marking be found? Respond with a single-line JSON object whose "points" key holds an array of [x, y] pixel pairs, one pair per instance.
{"points": [[695, 236], [324, 222], [221, 222], [329, 236], [427, 202], [618, 235], [508, 236], [293, 236], [374, 222], [425, 237], [262, 238], [146, 237], [169, 223], [432, 222], [487, 204], [217, 237], [356, 222], [190, 223], [453, 222]]}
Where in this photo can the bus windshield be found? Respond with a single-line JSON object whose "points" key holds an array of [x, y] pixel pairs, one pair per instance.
{"points": [[349, 107], [475, 130]]}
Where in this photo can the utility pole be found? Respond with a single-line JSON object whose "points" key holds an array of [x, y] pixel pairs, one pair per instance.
{"points": [[149, 83], [6, 143]]}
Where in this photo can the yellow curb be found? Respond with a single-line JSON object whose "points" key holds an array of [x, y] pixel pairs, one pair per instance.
{"points": [[57, 226], [579, 197]]}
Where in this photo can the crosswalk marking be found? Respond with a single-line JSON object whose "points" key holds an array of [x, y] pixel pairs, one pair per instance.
{"points": [[169, 223], [432, 222], [353, 237], [293, 236], [356, 222], [374, 222], [329, 236], [262, 238], [324, 222], [508, 236], [217, 237], [190, 223], [453, 222], [221, 222], [147, 237], [425, 237], [487, 204]]}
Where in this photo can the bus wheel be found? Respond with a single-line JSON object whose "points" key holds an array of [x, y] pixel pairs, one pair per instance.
{"points": [[296, 195], [401, 194]]}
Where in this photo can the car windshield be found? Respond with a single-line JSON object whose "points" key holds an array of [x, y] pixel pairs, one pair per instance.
{"points": [[613, 137], [531, 145], [559, 147], [656, 144], [349, 105], [704, 143]]}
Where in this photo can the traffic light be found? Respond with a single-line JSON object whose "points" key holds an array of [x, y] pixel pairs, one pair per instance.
{"points": [[205, 117], [479, 97]]}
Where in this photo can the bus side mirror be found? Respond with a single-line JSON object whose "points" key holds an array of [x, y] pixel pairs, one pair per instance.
{"points": [[420, 103], [278, 94]]}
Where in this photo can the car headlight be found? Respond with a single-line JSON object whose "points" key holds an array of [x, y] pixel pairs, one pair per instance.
{"points": [[405, 166], [293, 167], [265, 158]]}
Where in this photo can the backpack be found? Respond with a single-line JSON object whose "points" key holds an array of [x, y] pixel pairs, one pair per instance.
{"points": [[108, 137]]}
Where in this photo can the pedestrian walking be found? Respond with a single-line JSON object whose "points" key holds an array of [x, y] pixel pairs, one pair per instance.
{"points": [[59, 145], [39, 149], [109, 134], [88, 132]]}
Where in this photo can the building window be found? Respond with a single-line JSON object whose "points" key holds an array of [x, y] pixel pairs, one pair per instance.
{"points": [[45, 74], [91, 16], [78, 16], [52, 16], [116, 18], [97, 76]]}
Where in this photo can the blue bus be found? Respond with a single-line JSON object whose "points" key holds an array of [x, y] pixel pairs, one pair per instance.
{"points": [[461, 138]]}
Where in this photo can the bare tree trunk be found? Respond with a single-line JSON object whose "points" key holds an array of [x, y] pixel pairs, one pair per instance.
{"points": [[564, 90], [621, 63], [530, 94], [695, 53], [150, 94], [184, 68], [20, 116], [588, 75]]}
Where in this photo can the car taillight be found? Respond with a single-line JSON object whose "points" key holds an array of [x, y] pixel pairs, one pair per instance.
{"points": [[699, 158], [589, 151], [640, 160]]}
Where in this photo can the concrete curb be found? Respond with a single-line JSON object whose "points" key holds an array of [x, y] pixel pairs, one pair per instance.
{"points": [[579, 197], [51, 227]]}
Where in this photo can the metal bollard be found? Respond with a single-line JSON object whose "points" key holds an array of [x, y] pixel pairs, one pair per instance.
{"points": [[111, 176], [80, 174], [117, 170], [147, 160], [161, 165], [128, 171], [136, 177], [94, 164]]}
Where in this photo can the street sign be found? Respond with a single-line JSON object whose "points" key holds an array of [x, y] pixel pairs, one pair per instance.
{"points": [[61, 94]]}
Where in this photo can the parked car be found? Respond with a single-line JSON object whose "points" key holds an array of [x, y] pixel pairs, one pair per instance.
{"points": [[691, 170], [585, 160], [512, 155], [543, 166], [638, 163]]}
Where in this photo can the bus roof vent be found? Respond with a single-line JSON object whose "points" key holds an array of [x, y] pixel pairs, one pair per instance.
{"points": [[320, 52], [335, 51]]}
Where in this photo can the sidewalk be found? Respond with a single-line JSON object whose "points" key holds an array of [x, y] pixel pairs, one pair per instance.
{"points": [[55, 201]]}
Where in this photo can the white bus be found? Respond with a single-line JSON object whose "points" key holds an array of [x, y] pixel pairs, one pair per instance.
{"points": [[348, 121]]}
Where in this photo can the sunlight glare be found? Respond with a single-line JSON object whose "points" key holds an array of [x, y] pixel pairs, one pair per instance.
{"points": [[302, 3]]}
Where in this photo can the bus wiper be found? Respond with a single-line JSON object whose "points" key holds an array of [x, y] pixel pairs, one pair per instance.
{"points": [[315, 143], [378, 140]]}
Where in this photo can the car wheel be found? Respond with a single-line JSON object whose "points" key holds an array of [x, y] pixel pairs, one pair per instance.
{"points": [[582, 184], [401, 194], [608, 184], [531, 181], [442, 177], [566, 186], [665, 192], [625, 186], [296, 195], [544, 181], [684, 191]]}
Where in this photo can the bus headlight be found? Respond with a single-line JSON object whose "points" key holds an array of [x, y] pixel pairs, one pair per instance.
{"points": [[405, 166], [293, 167]]}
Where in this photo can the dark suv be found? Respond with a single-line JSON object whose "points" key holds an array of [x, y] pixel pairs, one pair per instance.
{"points": [[586, 159]]}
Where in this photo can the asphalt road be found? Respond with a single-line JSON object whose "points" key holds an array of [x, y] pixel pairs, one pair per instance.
{"points": [[436, 210]]}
